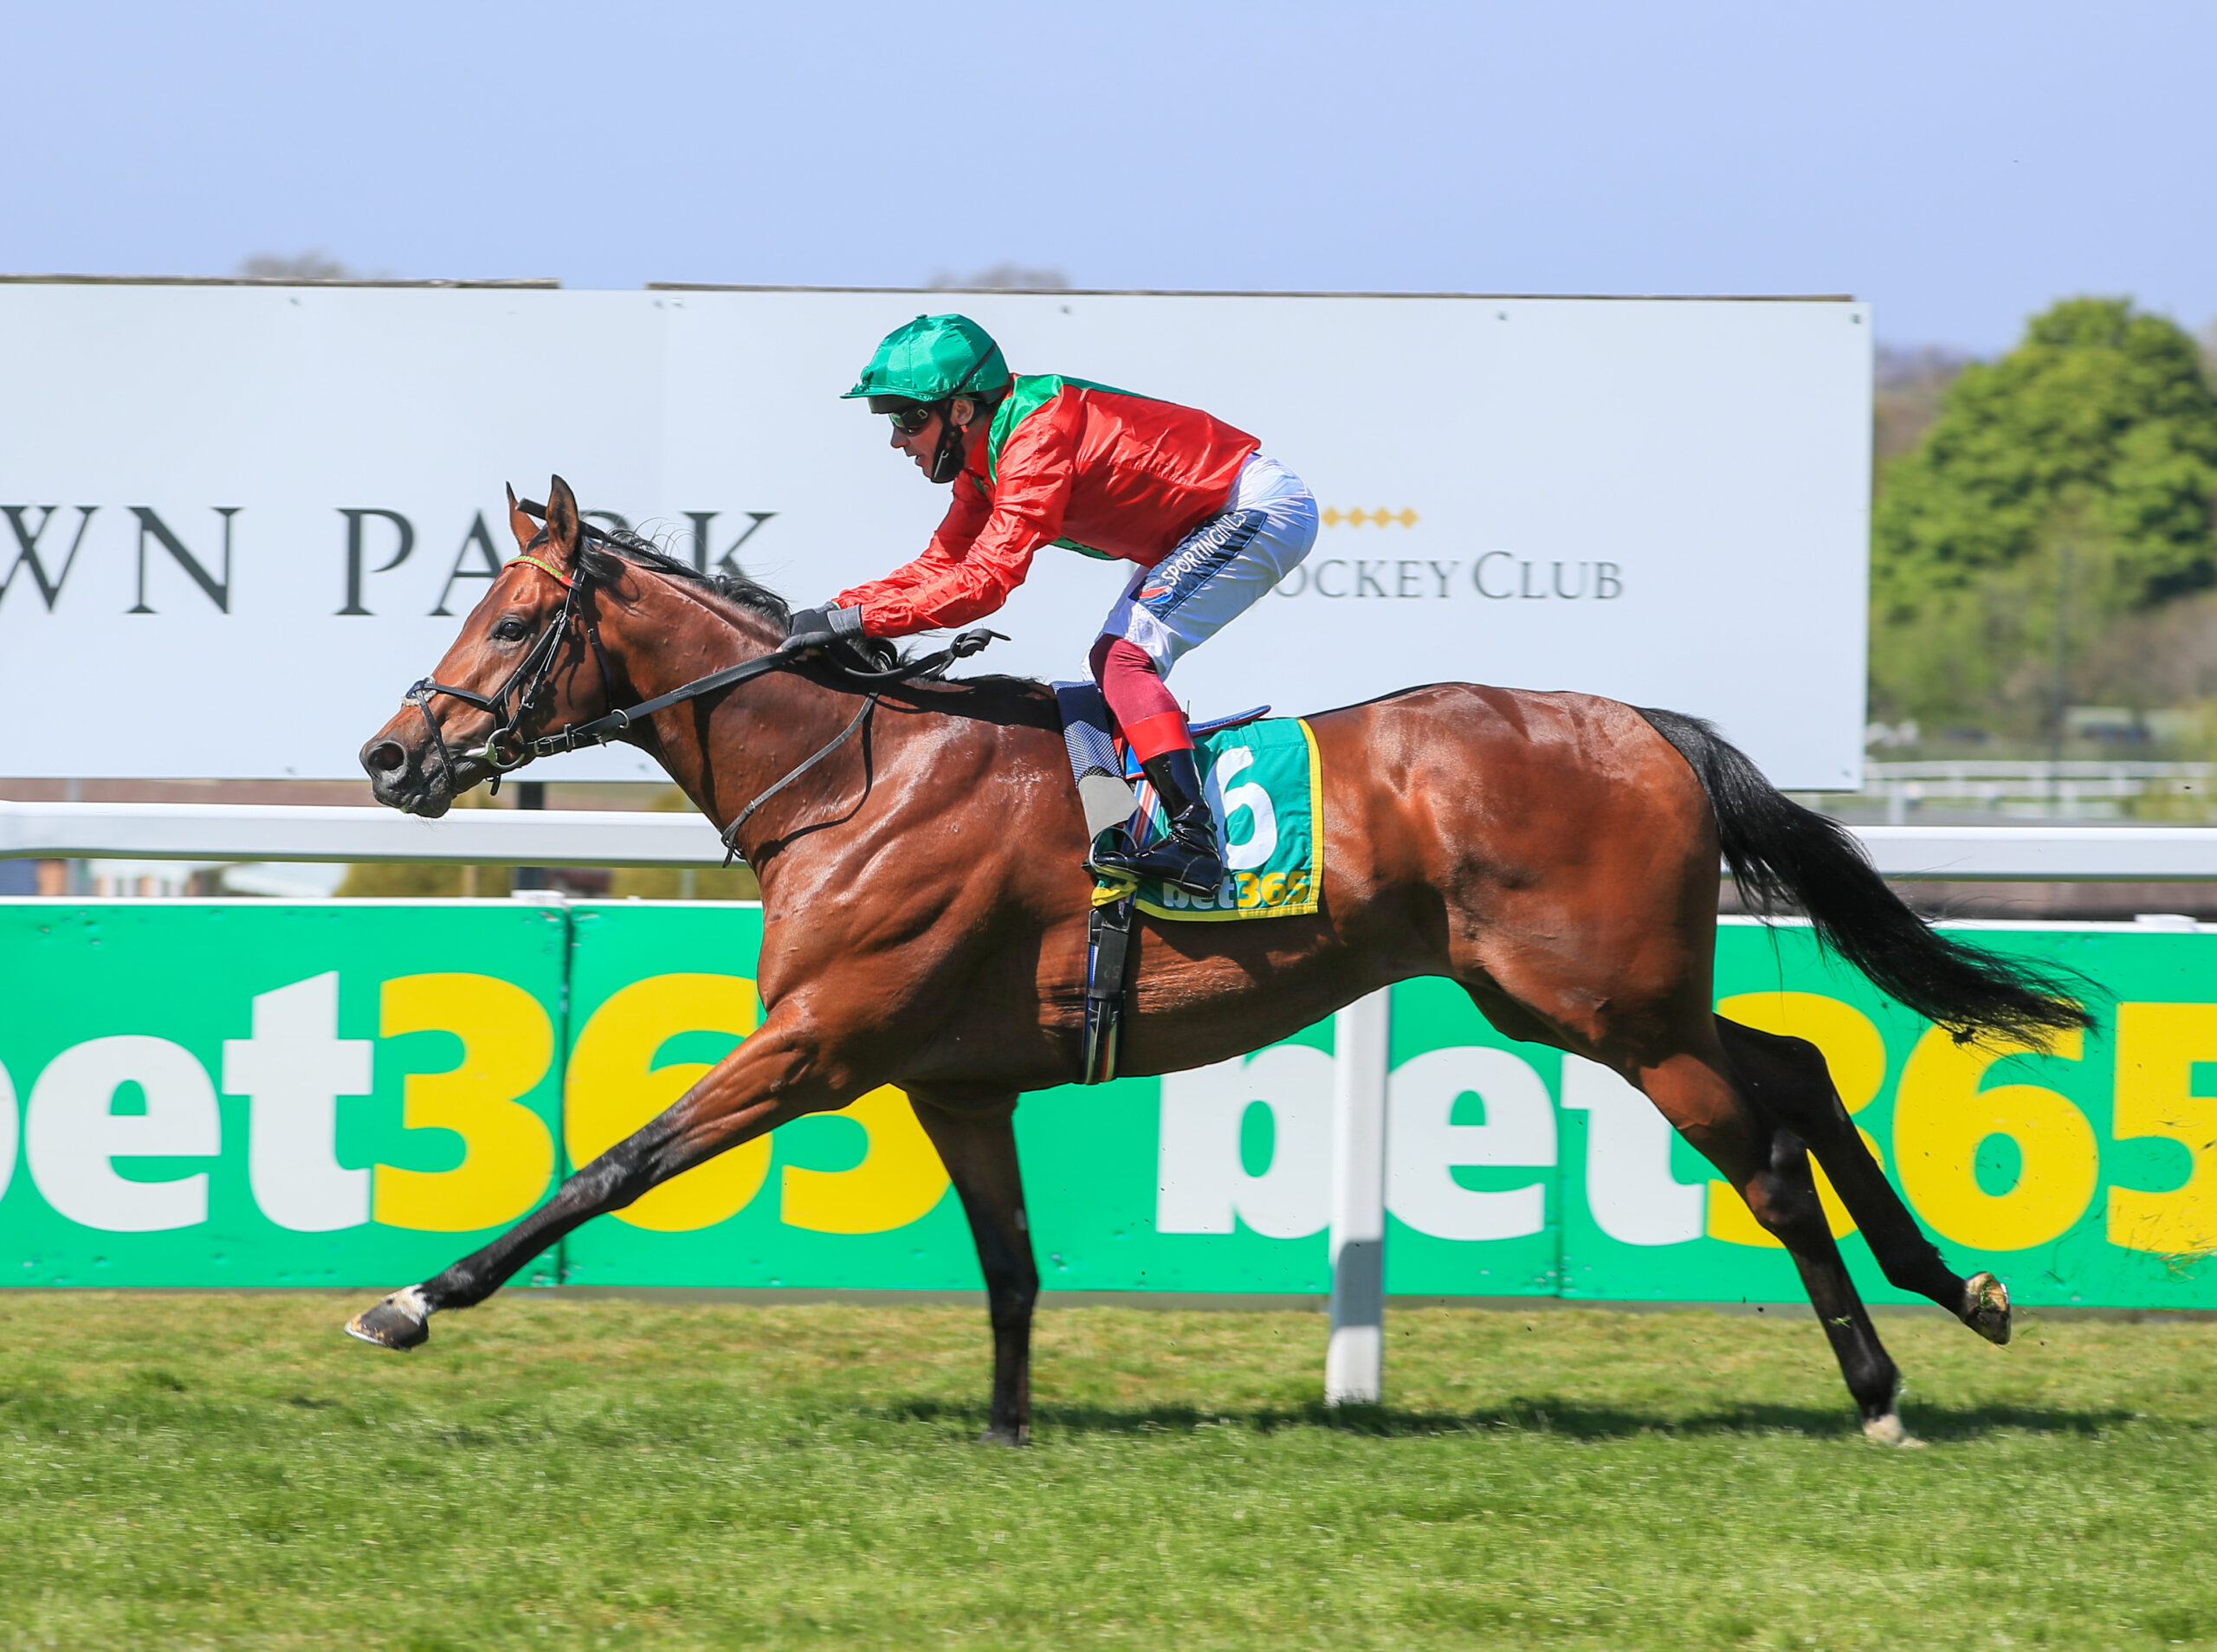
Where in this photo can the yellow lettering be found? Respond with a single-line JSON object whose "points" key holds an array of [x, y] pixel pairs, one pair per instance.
{"points": [[1844, 1035], [507, 1151], [1855, 1053], [898, 1182], [2157, 1045], [614, 1088], [1941, 1115]]}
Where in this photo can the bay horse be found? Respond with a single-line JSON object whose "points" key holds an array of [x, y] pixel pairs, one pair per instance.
{"points": [[924, 915]]}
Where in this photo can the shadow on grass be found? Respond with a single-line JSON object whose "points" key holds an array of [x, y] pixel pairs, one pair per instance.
{"points": [[1570, 1420]]}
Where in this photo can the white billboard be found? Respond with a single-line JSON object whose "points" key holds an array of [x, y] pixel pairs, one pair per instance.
{"points": [[236, 522]]}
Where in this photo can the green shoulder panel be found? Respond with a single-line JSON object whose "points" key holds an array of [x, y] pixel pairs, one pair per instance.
{"points": [[1031, 392]]}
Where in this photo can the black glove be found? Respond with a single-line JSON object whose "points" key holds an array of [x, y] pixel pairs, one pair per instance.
{"points": [[813, 626]]}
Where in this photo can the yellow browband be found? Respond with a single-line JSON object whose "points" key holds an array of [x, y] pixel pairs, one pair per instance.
{"points": [[553, 573]]}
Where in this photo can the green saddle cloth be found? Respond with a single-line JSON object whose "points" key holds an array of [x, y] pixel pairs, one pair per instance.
{"points": [[1266, 788]]}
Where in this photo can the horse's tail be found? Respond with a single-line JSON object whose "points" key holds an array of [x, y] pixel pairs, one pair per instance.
{"points": [[1780, 853]]}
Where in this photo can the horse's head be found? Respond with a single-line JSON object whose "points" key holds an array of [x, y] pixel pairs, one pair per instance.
{"points": [[526, 662]]}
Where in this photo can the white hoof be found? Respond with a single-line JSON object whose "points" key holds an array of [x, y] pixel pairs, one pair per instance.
{"points": [[1888, 1431]]}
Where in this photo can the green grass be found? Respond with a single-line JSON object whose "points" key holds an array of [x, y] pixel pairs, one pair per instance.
{"points": [[229, 1471]]}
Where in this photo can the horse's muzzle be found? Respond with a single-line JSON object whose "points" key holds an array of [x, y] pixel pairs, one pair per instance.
{"points": [[401, 778]]}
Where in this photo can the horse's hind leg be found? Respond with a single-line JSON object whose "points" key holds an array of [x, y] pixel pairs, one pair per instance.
{"points": [[1789, 1079], [978, 1145], [1769, 1165]]}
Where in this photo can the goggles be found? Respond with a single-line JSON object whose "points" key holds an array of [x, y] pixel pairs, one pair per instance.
{"points": [[912, 421]]}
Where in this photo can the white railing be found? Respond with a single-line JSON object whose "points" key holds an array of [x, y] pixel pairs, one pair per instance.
{"points": [[2055, 853], [2122, 775], [223, 832], [2098, 789], [229, 832]]}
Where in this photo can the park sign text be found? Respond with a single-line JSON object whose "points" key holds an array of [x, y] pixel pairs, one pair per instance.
{"points": [[246, 1093], [1662, 501]]}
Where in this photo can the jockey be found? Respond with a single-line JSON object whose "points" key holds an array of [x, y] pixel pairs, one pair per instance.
{"points": [[1040, 460]]}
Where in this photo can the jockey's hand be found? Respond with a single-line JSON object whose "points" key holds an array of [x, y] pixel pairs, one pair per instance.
{"points": [[812, 627]]}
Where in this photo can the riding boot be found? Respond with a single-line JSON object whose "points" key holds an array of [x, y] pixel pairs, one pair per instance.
{"points": [[1189, 855]]}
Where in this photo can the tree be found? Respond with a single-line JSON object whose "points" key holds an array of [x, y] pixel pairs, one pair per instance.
{"points": [[314, 265], [1907, 388], [2065, 484], [1001, 277]]}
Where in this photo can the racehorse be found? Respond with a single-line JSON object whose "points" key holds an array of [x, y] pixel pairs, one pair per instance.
{"points": [[925, 905]]}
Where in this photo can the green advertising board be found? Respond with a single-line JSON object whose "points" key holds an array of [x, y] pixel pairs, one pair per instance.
{"points": [[2086, 1176], [354, 1093], [245, 1093], [659, 993]]}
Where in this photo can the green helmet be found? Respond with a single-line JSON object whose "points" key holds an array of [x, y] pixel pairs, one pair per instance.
{"points": [[931, 358]]}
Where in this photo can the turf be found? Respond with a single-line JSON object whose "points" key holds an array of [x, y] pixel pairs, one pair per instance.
{"points": [[229, 1471]]}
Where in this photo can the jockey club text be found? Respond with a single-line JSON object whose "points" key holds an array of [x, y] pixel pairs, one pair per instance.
{"points": [[1499, 576]]}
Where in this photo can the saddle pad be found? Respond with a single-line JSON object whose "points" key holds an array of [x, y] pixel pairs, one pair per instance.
{"points": [[1266, 788]]}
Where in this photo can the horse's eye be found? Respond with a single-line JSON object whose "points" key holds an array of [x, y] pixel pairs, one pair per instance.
{"points": [[510, 629]]}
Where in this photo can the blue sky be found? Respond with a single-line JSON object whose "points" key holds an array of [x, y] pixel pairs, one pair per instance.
{"points": [[1959, 165]]}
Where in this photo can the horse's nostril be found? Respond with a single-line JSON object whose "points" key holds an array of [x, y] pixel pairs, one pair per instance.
{"points": [[385, 757]]}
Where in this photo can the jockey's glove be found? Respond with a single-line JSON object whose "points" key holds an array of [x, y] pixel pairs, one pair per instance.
{"points": [[827, 624]]}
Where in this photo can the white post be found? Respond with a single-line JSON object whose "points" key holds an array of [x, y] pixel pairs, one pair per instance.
{"points": [[1355, 1363]]}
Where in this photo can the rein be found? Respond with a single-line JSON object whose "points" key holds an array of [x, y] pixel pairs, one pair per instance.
{"points": [[509, 708]]}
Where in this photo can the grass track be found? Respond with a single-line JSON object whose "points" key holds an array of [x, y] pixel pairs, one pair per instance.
{"points": [[183, 1470]]}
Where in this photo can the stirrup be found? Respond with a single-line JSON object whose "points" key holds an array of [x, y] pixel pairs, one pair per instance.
{"points": [[1197, 872], [1109, 852]]}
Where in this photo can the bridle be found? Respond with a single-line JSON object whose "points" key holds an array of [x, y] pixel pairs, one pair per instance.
{"points": [[518, 697]]}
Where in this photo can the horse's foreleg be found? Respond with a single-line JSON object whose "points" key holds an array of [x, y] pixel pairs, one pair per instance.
{"points": [[1792, 1083], [978, 1146], [1770, 1168], [610, 1182], [775, 1076]]}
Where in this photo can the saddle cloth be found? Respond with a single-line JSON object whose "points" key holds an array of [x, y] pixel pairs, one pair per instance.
{"points": [[1264, 786]]}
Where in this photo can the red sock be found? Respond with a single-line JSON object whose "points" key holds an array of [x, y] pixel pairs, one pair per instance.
{"points": [[1145, 713]]}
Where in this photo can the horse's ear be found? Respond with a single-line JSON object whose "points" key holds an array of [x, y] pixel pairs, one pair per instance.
{"points": [[522, 527], [562, 518]]}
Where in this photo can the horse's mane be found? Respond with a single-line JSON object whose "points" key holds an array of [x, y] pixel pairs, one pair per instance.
{"points": [[603, 560]]}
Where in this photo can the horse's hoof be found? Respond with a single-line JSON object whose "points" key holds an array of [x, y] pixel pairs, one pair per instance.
{"points": [[1019, 1435], [1986, 1307], [1888, 1431], [402, 1321]]}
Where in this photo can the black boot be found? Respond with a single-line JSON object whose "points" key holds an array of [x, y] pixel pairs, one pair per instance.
{"points": [[1189, 856]]}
